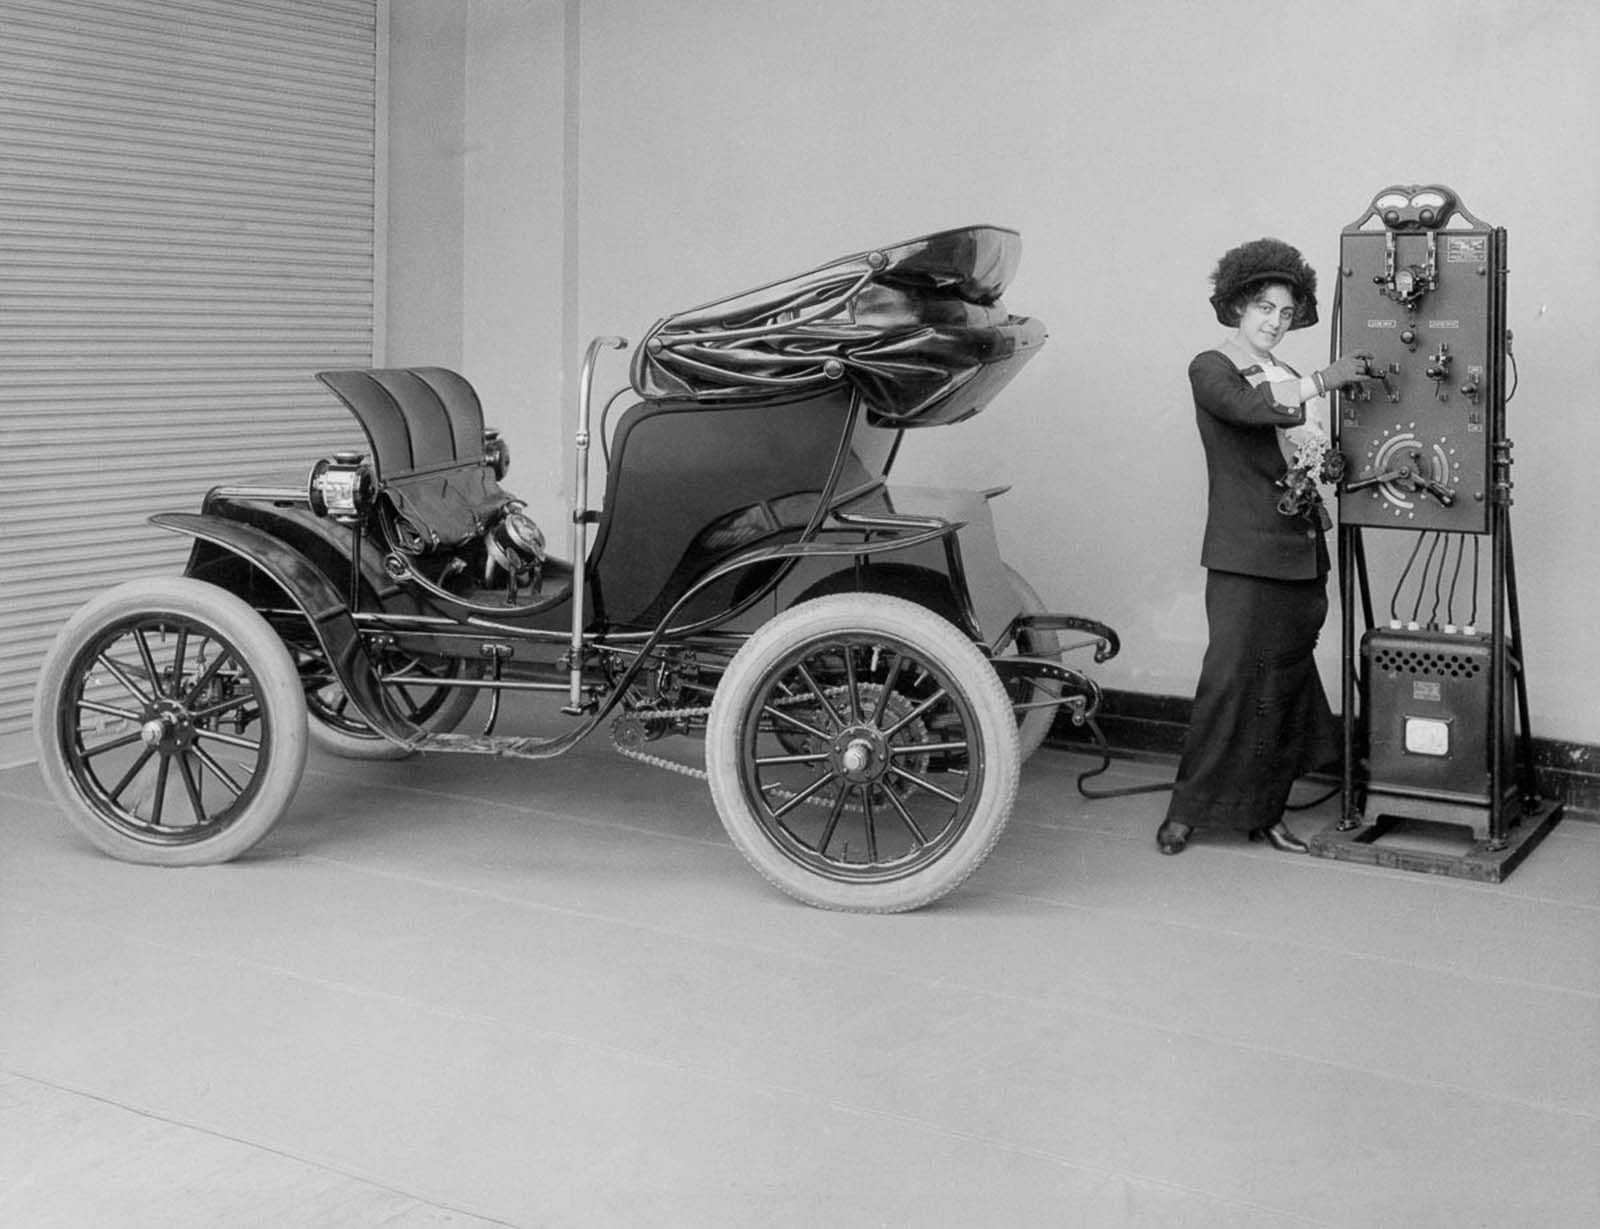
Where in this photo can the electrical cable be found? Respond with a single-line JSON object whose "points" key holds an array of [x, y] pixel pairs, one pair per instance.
{"points": [[1438, 582], [1422, 580], [1394, 597], [1476, 544], [1461, 550], [1104, 748], [1314, 802], [1160, 787], [1335, 332]]}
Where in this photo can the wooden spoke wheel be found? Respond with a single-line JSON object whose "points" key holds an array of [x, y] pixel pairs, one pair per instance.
{"points": [[862, 753], [170, 722]]}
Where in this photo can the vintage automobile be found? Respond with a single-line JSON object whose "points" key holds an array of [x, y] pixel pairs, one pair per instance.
{"points": [[866, 672]]}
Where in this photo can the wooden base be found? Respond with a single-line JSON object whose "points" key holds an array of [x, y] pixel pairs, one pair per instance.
{"points": [[1422, 843]]}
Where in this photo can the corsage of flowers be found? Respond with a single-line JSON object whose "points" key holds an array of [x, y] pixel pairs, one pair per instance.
{"points": [[1314, 461]]}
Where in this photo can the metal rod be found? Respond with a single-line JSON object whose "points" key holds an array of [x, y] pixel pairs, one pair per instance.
{"points": [[1529, 786], [495, 694], [358, 529], [423, 680], [580, 515], [1349, 539], [1499, 522]]}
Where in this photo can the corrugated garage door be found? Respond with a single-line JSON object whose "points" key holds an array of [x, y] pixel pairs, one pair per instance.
{"points": [[187, 221]]}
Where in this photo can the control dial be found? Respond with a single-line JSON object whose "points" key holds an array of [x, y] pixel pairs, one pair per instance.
{"points": [[1402, 469]]}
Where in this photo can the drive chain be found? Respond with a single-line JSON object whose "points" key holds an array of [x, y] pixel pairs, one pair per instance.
{"points": [[659, 761], [689, 770]]}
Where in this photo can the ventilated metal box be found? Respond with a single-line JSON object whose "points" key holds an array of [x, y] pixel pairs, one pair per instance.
{"points": [[1427, 706]]}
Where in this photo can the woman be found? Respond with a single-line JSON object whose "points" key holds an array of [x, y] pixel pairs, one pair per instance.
{"points": [[1260, 718]]}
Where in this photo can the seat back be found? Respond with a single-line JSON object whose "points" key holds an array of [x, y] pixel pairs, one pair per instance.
{"points": [[692, 484], [413, 417], [424, 426]]}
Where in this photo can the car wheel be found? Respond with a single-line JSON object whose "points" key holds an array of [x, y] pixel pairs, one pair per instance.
{"points": [[170, 722], [1033, 724], [897, 766]]}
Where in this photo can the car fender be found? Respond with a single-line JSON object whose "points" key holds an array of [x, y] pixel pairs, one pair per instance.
{"points": [[928, 586], [306, 586], [955, 572]]}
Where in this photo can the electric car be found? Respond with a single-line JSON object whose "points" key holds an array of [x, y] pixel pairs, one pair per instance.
{"points": [[865, 672]]}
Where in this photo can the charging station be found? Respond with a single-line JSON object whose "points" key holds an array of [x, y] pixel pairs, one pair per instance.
{"points": [[1438, 762]]}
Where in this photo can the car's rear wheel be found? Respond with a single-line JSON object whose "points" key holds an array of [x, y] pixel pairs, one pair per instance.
{"points": [[171, 723], [862, 753]]}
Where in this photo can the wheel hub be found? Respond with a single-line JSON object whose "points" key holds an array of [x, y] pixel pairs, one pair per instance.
{"points": [[860, 754], [168, 727]]}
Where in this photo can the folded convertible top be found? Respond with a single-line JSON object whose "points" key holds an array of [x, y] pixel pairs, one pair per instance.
{"points": [[918, 329]]}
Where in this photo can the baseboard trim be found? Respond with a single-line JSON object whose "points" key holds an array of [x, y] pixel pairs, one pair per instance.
{"points": [[1138, 725]]}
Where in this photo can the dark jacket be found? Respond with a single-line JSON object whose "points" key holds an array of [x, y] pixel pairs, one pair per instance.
{"points": [[1245, 532]]}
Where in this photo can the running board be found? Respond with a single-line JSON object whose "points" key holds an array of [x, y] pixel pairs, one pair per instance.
{"points": [[506, 746]]}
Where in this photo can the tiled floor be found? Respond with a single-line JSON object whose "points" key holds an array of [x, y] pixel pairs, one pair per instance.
{"points": [[459, 992]]}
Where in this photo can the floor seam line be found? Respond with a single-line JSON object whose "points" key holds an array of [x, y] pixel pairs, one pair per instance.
{"points": [[833, 1104], [372, 994], [272, 1149]]}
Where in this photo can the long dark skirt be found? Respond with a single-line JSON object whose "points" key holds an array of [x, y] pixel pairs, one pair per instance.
{"points": [[1261, 717]]}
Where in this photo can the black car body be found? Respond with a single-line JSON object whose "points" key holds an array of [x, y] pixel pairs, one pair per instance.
{"points": [[859, 659]]}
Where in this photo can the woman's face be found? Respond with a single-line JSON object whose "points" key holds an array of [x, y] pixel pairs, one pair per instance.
{"points": [[1267, 315]]}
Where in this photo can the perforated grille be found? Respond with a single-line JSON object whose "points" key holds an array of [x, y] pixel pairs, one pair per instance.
{"points": [[1422, 661]]}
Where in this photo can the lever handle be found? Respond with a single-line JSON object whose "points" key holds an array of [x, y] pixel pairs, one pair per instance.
{"points": [[1401, 474], [1438, 490], [1412, 478]]}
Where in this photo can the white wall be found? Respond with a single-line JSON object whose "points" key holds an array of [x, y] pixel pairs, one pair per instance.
{"points": [[427, 143], [515, 219], [722, 143]]}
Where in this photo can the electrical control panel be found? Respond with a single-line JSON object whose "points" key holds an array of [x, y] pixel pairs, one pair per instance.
{"points": [[1421, 290], [1435, 710]]}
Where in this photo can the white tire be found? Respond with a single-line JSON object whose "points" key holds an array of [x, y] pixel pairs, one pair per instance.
{"points": [[171, 723], [862, 753]]}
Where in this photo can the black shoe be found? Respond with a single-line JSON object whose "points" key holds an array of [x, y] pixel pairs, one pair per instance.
{"points": [[1280, 838], [1172, 837]]}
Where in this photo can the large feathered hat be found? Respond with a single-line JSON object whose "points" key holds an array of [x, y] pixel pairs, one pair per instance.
{"points": [[1264, 260]]}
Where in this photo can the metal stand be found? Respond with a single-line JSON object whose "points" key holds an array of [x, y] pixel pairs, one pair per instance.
{"points": [[1482, 861], [1510, 819]]}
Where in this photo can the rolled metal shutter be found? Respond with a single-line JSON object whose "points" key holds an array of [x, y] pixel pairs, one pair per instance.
{"points": [[188, 209]]}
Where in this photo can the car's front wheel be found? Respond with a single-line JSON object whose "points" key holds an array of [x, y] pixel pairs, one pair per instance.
{"points": [[171, 723]]}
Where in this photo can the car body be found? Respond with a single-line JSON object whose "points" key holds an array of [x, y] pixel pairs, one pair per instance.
{"points": [[858, 657]]}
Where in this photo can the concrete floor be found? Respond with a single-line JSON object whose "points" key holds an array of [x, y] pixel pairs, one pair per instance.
{"points": [[459, 992]]}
